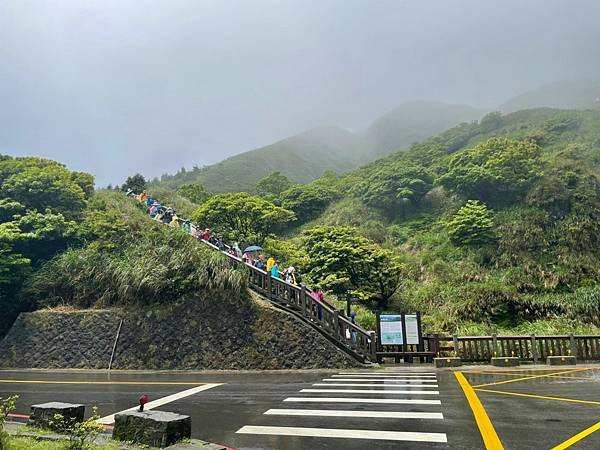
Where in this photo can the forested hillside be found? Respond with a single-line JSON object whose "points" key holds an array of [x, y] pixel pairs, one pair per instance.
{"points": [[489, 226], [304, 157]]}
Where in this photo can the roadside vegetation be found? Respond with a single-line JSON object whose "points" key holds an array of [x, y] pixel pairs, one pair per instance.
{"points": [[491, 226]]}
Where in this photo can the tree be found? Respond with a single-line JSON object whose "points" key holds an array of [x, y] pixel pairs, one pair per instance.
{"points": [[241, 216], [46, 186], [308, 200], [344, 262], [498, 171], [395, 187], [137, 183], [472, 225], [273, 185], [194, 193]]}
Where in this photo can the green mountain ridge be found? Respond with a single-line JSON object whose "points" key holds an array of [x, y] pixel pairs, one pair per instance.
{"points": [[414, 121], [305, 156]]}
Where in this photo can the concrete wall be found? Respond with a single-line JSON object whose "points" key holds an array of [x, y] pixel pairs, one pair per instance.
{"points": [[212, 333]]}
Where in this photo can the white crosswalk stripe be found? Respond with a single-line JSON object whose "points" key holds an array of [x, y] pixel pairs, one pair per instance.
{"points": [[346, 413], [380, 380], [372, 391], [346, 433], [385, 376], [385, 401], [377, 387]]}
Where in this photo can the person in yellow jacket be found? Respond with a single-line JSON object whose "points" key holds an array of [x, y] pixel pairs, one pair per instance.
{"points": [[270, 263]]}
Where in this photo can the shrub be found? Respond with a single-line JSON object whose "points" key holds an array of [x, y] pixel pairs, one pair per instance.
{"points": [[471, 225]]}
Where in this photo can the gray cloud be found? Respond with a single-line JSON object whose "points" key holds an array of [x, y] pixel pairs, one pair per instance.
{"points": [[119, 86]]}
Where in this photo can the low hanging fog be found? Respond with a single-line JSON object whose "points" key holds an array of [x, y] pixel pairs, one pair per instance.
{"points": [[116, 87]]}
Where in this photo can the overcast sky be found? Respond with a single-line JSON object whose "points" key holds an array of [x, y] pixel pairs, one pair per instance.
{"points": [[119, 86]]}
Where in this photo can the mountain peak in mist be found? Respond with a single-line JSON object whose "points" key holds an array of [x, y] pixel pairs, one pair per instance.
{"points": [[413, 121], [566, 94]]}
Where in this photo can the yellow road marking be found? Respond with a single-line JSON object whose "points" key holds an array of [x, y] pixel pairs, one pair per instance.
{"points": [[577, 378], [174, 383], [542, 369], [532, 377], [542, 397], [578, 437], [488, 433]]}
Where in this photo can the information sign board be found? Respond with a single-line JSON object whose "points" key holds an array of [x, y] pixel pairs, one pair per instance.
{"points": [[391, 329], [412, 328]]}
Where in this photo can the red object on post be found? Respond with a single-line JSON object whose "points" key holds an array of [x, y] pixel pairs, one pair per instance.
{"points": [[143, 401]]}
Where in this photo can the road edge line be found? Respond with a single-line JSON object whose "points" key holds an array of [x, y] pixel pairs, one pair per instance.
{"points": [[578, 437], [486, 428]]}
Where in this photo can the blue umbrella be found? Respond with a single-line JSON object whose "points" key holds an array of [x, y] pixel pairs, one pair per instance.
{"points": [[252, 248]]}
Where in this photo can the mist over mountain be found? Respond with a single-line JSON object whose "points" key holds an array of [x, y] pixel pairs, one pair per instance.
{"points": [[414, 121], [305, 156], [567, 94], [302, 158]]}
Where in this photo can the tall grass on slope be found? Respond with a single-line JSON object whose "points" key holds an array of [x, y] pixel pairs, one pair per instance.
{"points": [[162, 266]]}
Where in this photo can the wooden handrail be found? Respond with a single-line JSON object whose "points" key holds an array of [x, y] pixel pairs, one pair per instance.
{"points": [[322, 315]]}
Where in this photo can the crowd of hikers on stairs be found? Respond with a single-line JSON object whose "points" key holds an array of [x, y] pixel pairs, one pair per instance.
{"points": [[168, 216]]}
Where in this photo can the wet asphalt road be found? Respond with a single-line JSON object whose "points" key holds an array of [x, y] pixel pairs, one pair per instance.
{"points": [[521, 422]]}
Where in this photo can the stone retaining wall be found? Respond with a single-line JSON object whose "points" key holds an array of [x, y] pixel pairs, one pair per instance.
{"points": [[211, 333]]}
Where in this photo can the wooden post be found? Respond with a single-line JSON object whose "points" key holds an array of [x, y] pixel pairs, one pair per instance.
{"points": [[534, 352], [495, 345], [303, 301], [455, 341], [404, 343], [336, 316], [268, 286], [373, 345], [573, 345]]}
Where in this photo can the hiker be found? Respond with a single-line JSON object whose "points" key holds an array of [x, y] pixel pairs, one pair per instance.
{"points": [[275, 270], [149, 202], [270, 263], [206, 235], [219, 243], [154, 210], [130, 193], [168, 216], [290, 275], [238, 250], [196, 231], [160, 213], [352, 319], [319, 297], [174, 221], [259, 263], [185, 226], [247, 258]]}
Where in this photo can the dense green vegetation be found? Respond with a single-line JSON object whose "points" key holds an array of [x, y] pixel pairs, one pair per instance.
{"points": [[488, 227], [495, 223], [64, 244]]}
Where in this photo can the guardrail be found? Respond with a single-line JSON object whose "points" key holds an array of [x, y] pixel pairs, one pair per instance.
{"points": [[528, 348], [321, 315]]}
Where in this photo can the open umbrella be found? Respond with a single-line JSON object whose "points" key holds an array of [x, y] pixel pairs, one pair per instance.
{"points": [[253, 248]]}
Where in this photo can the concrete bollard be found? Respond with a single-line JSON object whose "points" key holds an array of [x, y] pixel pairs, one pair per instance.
{"points": [[506, 361], [43, 414], [451, 361], [561, 360], [153, 428]]}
